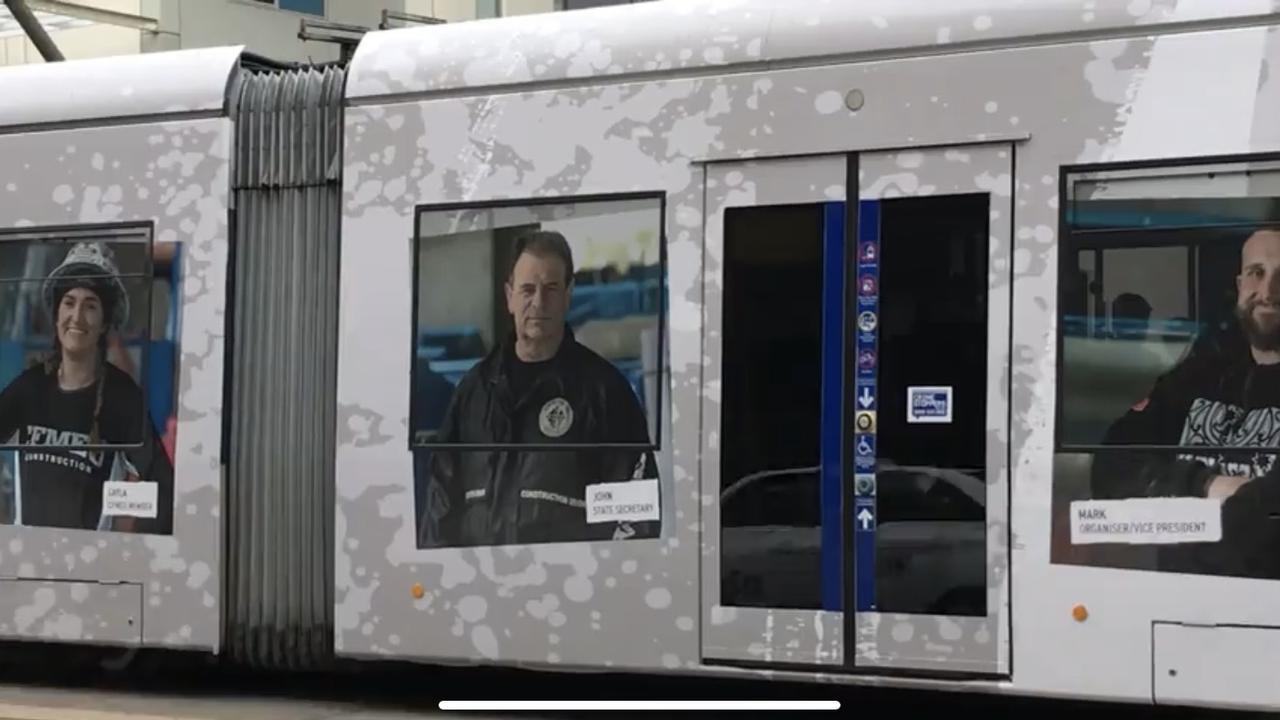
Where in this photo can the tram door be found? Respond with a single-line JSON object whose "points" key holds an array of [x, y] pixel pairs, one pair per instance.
{"points": [[854, 411], [927, 515], [772, 379]]}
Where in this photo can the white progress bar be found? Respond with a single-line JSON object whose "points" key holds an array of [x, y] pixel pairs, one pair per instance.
{"points": [[575, 705]]}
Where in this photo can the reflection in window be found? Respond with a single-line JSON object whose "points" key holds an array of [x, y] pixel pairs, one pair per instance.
{"points": [[77, 363], [1136, 326], [931, 534], [1177, 394], [931, 541], [537, 370], [771, 537]]}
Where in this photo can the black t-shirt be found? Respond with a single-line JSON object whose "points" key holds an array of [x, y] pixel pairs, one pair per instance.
{"points": [[1217, 416], [61, 487], [1218, 413]]}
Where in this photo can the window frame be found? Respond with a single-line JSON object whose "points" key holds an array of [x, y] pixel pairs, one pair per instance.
{"points": [[68, 235], [664, 369], [1070, 240], [275, 5], [563, 5]]}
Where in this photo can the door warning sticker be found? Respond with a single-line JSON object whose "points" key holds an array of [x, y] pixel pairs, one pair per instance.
{"points": [[929, 404]]}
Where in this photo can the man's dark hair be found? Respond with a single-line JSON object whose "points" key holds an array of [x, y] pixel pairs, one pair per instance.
{"points": [[543, 242]]}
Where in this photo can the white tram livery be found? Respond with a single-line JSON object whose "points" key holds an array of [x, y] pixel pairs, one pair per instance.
{"points": [[932, 346]]}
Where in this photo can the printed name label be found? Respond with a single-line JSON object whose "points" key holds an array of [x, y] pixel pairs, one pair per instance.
{"points": [[130, 499], [929, 404], [631, 501], [1146, 521]]}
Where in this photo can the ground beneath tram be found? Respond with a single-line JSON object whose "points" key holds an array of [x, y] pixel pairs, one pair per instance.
{"points": [[171, 691]]}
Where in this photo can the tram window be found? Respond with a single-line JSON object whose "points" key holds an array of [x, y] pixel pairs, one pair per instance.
{"points": [[86, 387], [538, 368], [931, 531], [770, 407], [1170, 375]]}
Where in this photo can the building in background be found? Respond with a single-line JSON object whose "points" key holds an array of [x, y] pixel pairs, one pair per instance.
{"points": [[269, 28]]}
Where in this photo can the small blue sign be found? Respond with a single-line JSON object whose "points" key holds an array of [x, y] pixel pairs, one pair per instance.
{"points": [[864, 515], [868, 253], [866, 398], [864, 445], [929, 404], [867, 285], [867, 359]]}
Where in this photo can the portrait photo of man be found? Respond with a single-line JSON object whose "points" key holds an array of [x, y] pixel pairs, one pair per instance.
{"points": [[1210, 428], [538, 419]]}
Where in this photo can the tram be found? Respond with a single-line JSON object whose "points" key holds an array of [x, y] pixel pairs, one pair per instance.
{"points": [[929, 346]]}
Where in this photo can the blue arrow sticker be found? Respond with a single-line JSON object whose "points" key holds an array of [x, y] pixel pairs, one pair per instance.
{"points": [[864, 516], [866, 396]]}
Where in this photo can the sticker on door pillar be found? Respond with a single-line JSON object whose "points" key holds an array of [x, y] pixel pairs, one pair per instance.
{"points": [[929, 404], [866, 395], [867, 363], [865, 422], [867, 322], [867, 253], [867, 290], [865, 514], [865, 484]]}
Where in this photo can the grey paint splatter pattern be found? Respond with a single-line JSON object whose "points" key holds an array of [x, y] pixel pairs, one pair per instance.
{"points": [[776, 113], [652, 134], [71, 612], [176, 175]]}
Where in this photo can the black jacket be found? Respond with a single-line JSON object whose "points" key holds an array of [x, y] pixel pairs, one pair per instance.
{"points": [[1213, 402], [62, 487], [529, 494]]}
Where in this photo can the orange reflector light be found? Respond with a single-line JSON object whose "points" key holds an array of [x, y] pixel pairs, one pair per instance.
{"points": [[1080, 613], [417, 591]]}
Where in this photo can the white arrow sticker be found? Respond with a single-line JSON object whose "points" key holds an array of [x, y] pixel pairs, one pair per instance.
{"points": [[865, 517], [866, 398]]}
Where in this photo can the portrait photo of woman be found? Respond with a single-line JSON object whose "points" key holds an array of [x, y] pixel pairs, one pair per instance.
{"points": [[80, 421]]}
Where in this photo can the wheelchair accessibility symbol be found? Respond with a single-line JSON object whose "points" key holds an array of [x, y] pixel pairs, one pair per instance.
{"points": [[866, 446]]}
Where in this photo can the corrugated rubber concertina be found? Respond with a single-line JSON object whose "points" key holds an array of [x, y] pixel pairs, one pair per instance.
{"points": [[283, 342]]}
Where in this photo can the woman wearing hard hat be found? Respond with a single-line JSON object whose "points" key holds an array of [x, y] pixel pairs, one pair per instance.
{"points": [[77, 398]]}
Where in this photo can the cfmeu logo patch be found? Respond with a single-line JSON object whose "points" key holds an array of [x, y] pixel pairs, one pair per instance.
{"points": [[556, 418]]}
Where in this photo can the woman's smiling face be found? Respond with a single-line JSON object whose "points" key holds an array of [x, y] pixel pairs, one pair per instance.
{"points": [[80, 321]]}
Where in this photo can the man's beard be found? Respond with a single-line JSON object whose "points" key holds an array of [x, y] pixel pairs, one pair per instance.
{"points": [[1264, 336]]}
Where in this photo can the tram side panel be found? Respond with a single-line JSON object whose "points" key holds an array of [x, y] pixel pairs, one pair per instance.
{"points": [[113, 265], [432, 286], [1114, 104]]}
